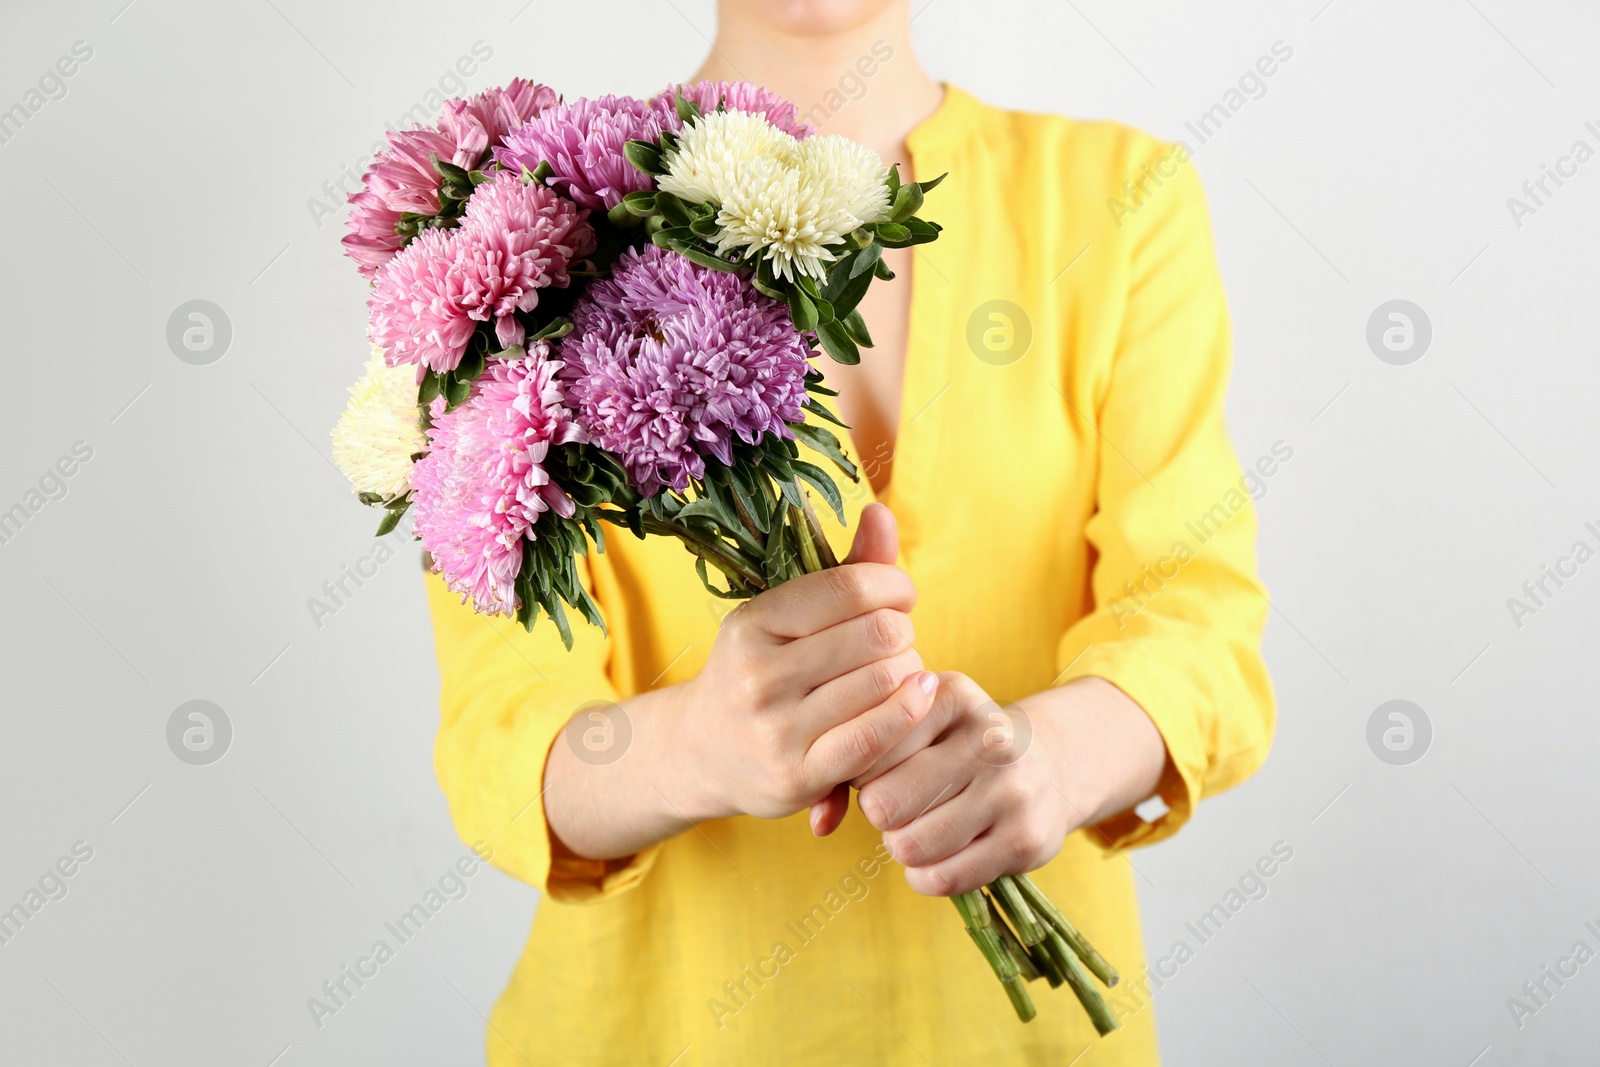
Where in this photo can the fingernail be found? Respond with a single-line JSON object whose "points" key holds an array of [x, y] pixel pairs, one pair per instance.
{"points": [[928, 681]]}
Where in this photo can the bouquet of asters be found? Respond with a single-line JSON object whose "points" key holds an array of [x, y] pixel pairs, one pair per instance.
{"points": [[605, 311]]}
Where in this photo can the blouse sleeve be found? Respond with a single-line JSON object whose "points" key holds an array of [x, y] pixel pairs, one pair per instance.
{"points": [[1178, 612], [505, 695]]}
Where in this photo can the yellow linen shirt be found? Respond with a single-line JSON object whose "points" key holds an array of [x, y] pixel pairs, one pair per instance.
{"points": [[1069, 505]]}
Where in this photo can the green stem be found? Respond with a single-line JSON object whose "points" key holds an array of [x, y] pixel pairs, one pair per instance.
{"points": [[1080, 945], [749, 523], [713, 551], [1017, 950], [810, 561], [824, 550], [1078, 978], [975, 913], [1045, 963], [1029, 929]]}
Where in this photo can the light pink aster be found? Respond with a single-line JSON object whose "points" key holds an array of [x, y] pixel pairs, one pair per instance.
{"points": [[482, 122], [514, 240], [416, 312], [480, 490], [402, 178]]}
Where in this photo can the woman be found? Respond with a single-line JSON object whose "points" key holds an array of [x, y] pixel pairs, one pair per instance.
{"points": [[1042, 415]]}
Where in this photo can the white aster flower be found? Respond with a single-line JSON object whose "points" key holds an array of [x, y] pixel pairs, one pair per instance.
{"points": [[791, 199], [380, 429]]}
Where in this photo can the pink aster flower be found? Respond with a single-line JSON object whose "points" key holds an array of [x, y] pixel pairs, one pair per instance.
{"points": [[738, 96], [669, 363], [416, 314], [482, 122], [514, 240], [402, 179], [582, 141], [480, 490]]}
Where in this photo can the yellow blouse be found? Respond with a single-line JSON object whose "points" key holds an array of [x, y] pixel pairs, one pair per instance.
{"points": [[1069, 505]]}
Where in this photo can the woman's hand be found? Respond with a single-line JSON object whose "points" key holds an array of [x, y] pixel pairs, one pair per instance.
{"points": [[977, 791], [808, 685]]}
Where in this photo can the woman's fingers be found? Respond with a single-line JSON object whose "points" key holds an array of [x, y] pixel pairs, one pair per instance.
{"points": [[943, 831], [844, 751], [811, 603], [877, 538], [917, 786], [979, 863], [829, 812], [853, 692], [815, 661], [954, 699]]}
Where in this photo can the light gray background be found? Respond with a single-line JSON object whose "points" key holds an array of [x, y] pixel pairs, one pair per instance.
{"points": [[1376, 166]]}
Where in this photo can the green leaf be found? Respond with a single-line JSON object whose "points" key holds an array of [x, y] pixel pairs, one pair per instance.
{"points": [[766, 284], [450, 172], [827, 444], [929, 186], [455, 391], [892, 179], [688, 110], [559, 615], [641, 202], [753, 496], [824, 485], [703, 508], [390, 520], [881, 271], [816, 408], [838, 344], [856, 327], [866, 259], [802, 312], [776, 559], [893, 234], [585, 496], [816, 383], [471, 366], [644, 155], [850, 295], [706, 259], [431, 383], [790, 491], [623, 217], [550, 331], [906, 202], [672, 209]]}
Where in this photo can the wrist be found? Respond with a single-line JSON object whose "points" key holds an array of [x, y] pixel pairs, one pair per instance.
{"points": [[682, 766], [1107, 754]]}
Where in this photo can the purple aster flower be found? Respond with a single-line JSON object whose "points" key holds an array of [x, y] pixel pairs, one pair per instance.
{"points": [[670, 362], [582, 141]]}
